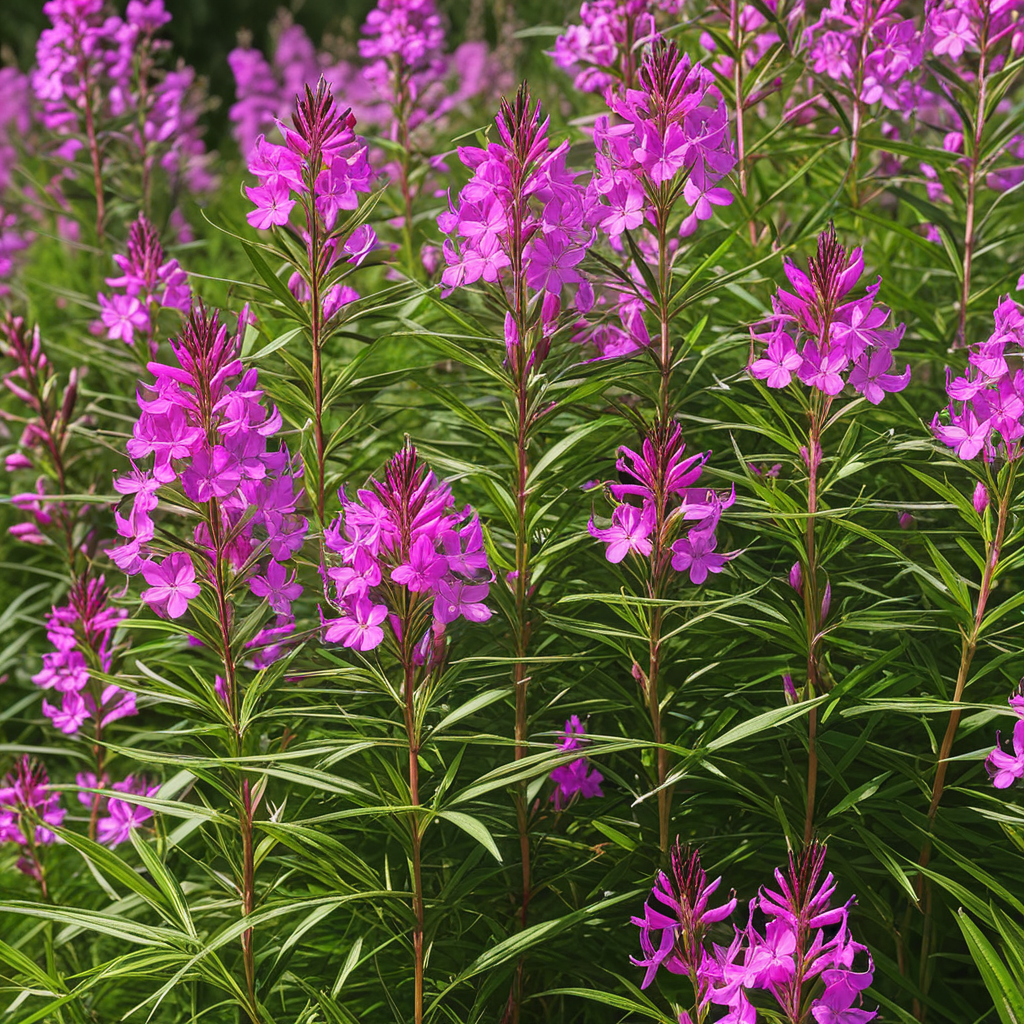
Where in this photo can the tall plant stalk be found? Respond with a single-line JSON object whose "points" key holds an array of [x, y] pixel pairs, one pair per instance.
{"points": [[973, 172], [968, 648]]}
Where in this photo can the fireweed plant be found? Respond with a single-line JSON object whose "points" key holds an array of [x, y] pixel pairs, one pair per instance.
{"points": [[802, 956], [410, 565], [820, 340], [323, 164], [377, 648], [115, 118]]}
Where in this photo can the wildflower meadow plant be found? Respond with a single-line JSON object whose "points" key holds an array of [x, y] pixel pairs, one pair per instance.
{"points": [[483, 471]]}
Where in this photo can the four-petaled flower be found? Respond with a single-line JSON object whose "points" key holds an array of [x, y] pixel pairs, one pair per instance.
{"points": [[630, 531], [277, 587], [171, 584]]}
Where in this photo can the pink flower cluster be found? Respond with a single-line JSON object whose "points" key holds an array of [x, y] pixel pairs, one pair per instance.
{"points": [[955, 26], [521, 211], [265, 90], [92, 61], [24, 796], [407, 33], [147, 284], [45, 427], [323, 163], [672, 141], [15, 121], [81, 634], [1005, 769], [986, 404], [601, 51], [663, 480], [118, 817], [870, 48], [576, 776], [805, 940], [401, 543], [398, 30], [757, 35], [841, 340], [208, 430]]}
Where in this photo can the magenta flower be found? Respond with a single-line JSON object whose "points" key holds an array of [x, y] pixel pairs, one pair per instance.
{"points": [[966, 435], [986, 408], [277, 587], [683, 919], [361, 629], [147, 281], [870, 375], [404, 549], [842, 989], [576, 776], [823, 369], [630, 530], [360, 244], [210, 431], [833, 333], [696, 552], [122, 315], [122, 816], [777, 366], [273, 206], [71, 714], [1005, 768], [85, 624], [458, 598], [520, 218], [323, 164], [27, 788], [171, 584], [425, 567]]}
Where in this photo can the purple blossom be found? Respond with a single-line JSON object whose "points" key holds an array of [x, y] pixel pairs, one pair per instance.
{"points": [[322, 166], [986, 404], [780, 361], [403, 548], [673, 128], [630, 530], [696, 552], [834, 333], [94, 68], [865, 44], [146, 285], [85, 625], [171, 584], [26, 795], [682, 915], [519, 218], [122, 816], [210, 433], [576, 776], [277, 587], [662, 477], [1005, 769], [599, 51]]}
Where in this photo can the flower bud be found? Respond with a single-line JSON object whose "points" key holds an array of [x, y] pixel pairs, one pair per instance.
{"points": [[17, 460], [511, 336], [826, 602], [796, 578], [789, 689], [906, 520], [980, 498]]}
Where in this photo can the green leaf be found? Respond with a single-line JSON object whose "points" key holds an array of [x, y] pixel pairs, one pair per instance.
{"points": [[475, 828], [1007, 995]]}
